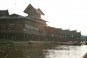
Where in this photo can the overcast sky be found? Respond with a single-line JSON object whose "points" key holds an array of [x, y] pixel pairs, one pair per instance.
{"points": [[65, 14]]}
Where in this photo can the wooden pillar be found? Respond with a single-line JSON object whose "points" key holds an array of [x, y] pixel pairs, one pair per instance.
{"points": [[24, 37], [27, 37], [14, 36], [31, 37], [37, 37], [42, 38]]}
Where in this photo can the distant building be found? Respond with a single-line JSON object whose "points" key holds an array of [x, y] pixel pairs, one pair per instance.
{"points": [[84, 38], [32, 27]]}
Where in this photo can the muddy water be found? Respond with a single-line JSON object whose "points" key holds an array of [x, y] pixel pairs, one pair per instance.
{"points": [[42, 51]]}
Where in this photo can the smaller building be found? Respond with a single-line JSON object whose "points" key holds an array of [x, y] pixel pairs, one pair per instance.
{"points": [[33, 12], [4, 13]]}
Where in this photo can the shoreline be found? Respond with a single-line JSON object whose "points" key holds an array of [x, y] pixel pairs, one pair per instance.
{"points": [[34, 43]]}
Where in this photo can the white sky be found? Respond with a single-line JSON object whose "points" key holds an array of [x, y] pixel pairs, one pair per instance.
{"points": [[65, 14]]}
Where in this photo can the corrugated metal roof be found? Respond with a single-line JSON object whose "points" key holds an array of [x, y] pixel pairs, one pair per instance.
{"points": [[12, 16], [16, 16], [78, 33]]}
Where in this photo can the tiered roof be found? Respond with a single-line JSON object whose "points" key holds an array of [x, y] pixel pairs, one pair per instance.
{"points": [[36, 10]]}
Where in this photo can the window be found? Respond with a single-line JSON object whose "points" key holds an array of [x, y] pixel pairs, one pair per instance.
{"points": [[11, 26], [52, 34], [3, 26], [72, 36], [28, 26], [31, 26], [34, 27], [65, 35], [37, 28]]}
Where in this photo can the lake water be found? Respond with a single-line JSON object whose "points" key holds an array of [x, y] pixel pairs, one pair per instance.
{"points": [[42, 51]]}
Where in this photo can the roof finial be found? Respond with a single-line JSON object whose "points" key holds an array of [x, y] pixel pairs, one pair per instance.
{"points": [[15, 7], [38, 6]]}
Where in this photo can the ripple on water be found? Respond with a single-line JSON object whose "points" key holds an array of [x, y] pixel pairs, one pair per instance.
{"points": [[54, 51]]}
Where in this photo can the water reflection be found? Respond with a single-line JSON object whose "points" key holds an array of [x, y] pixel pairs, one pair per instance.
{"points": [[31, 51], [42, 51], [64, 52]]}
